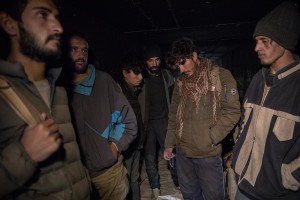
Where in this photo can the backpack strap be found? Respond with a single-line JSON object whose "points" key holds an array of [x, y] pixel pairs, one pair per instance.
{"points": [[16, 101]]}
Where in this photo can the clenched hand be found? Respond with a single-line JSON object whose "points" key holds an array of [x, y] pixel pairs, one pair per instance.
{"points": [[41, 140]]}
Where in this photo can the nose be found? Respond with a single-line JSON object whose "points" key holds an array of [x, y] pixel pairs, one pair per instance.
{"points": [[56, 26], [140, 76], [256, 48], [82, 54], [156, 62], [181, 68]]}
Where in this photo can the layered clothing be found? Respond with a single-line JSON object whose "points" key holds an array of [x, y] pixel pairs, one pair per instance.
{"points": [[62, 175]]}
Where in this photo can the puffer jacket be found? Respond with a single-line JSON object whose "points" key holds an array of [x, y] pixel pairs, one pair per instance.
{"points": [[201, 137], [61, 176]]}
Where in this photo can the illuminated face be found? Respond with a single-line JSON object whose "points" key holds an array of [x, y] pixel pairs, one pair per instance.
{"points": [[153, 64], [188, 66], [40, 30], [268, 50], [79, 54], [132, 78]]}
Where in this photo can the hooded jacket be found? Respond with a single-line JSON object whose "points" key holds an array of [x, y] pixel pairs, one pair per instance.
{"points": [[61, 176]]}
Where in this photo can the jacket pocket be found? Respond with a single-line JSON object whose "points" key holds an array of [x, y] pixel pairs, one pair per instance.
{"points": [[97, 150], [284, 126]]}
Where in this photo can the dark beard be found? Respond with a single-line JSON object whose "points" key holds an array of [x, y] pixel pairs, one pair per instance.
{"points": [[30, 48], [80, 70], [154, 71]]}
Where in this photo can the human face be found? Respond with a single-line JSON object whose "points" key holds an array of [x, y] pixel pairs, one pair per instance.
{"points": [[187, 67], [153, 64], [79, 54], [40, 30], [268, 50], [132, 79]]}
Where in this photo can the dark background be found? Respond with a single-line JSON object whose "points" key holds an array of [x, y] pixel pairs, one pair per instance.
{"points": [[222, 29]]}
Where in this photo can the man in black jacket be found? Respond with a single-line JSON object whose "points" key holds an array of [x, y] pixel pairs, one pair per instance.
{"points": [[130, 81], [155, 101]]}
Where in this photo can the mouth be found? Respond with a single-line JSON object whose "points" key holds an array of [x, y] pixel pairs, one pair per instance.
{"points": [[260, 54], [80, 62], [54, 38]]}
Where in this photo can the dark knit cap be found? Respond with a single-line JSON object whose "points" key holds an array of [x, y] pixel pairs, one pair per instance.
{"points": [[282, 25], [150, 51]]}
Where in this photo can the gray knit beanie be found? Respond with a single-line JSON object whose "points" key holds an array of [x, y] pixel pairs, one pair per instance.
{"points": [[281, 25]]}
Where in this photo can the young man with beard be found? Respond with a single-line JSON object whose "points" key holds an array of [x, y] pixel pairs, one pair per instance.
{"points": [[266, 156], [155, 101], [40, 161], [130, 81], [104, 120], [205, 108]]}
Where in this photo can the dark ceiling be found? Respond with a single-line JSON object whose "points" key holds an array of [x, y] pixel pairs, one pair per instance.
{"points": [[218, 25]]}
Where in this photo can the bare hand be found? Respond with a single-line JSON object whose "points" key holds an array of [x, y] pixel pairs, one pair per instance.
{"points": [[114, 150], [168, 153], [41, 140]]}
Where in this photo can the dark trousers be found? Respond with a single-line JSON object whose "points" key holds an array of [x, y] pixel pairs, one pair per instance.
{"points": [[132, 164], [200, 177], [156, 133]]}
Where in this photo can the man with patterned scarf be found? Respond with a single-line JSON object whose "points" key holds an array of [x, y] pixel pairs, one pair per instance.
{"points": [[205, 108]]}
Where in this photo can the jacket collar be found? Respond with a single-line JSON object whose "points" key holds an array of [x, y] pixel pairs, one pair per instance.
{"points": [[16, 70]]}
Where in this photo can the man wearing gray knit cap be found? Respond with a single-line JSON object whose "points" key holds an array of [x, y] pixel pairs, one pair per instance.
{"points": [[266, 156]]}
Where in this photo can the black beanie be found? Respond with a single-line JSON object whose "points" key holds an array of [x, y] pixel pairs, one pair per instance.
{"points": [[150, 51], [281, 25]]}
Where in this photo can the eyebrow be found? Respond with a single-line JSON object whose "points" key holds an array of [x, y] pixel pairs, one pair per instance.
{"points": [[45, 8]]}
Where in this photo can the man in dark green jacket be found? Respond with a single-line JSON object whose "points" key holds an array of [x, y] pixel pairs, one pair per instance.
{"points": [[40, 161], [205, 108]]}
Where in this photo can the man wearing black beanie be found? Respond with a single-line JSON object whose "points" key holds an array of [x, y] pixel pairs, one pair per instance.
{"points": [[155, 101], [266, 156]]}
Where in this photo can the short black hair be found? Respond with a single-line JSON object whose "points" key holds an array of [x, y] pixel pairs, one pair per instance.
{"points": [[181, 49], [67, 36], [15, 8], [66, 45], [131, 62]]}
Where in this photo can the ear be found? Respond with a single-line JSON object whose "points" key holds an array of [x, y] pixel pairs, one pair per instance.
{"points": [[195, 56], [8, 24], [124, 72]]}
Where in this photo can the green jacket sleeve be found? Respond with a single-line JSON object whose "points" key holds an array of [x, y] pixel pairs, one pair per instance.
{"points": [[170, 140]]}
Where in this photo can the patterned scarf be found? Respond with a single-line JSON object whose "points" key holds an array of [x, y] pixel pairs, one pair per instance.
{"points": [[194, 87]]}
